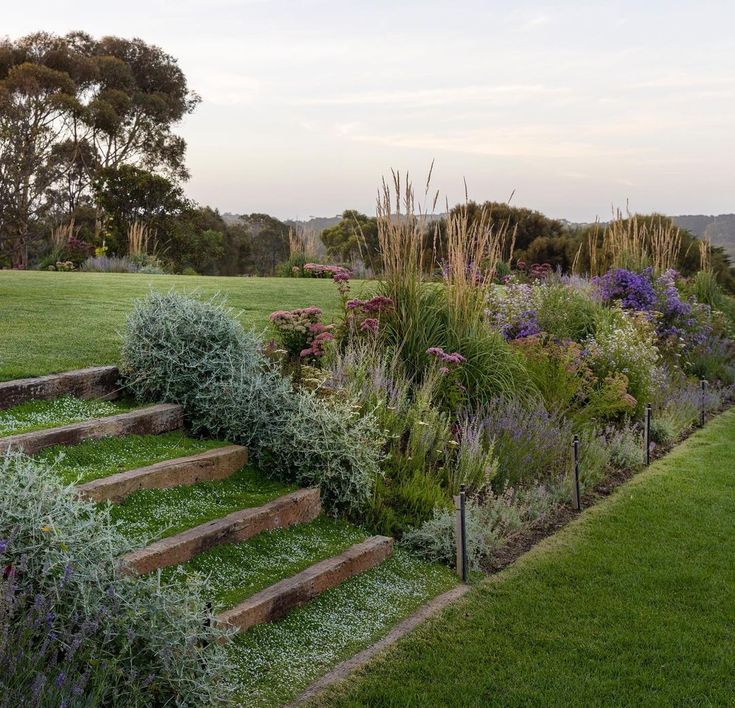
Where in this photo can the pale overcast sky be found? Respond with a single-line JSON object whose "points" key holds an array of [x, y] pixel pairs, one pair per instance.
{"points": [[575, 105]]}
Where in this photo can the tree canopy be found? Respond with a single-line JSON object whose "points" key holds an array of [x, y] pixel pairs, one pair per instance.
{"points": [[74, 110]]}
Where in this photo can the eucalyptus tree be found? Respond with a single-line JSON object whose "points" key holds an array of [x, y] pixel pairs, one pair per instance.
{"points": [[74, 107]]}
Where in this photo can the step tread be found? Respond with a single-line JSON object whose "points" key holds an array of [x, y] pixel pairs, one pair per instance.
{"points": [[162, 417], [209, 465], [300, 506], [275, 601], [92, 382]]}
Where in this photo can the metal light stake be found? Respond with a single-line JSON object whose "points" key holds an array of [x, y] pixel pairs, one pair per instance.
{"points": [[703, 386], [461, 533], [647, 434], [576, 496]]}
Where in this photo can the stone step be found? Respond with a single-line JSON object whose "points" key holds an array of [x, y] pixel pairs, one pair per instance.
{"points": [[95, 382], [276, 601], [297, 507], [208, 466], [151, 420]]}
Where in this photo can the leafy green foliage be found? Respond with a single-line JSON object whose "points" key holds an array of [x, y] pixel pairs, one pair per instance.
{"points": [[565, 312], [355, 236]]}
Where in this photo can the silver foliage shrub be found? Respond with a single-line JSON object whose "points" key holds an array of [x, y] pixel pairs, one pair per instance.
{"points": [[76, 630], [490, 522], [181, 349]]}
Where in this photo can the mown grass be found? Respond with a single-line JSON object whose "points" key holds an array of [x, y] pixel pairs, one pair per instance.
{"points": [[633, 604], [237, 570], [277, 661], [37, 415], [156, 513], [95, 459], [59, 321]]}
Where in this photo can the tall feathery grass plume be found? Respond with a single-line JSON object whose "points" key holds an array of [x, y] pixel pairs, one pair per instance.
{"points": [[633, 242]]}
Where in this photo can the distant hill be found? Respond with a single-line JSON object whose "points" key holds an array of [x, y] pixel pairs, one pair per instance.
{"points": [[720, 229], [316, 223]]}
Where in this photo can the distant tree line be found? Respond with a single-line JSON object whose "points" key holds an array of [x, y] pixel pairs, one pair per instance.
{"points": [[537, 239]]}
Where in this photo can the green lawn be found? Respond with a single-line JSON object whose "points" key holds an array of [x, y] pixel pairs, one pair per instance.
{"points": [[59, 321], [632, 604]]}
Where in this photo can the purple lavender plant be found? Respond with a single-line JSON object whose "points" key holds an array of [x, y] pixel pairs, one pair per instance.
{"points": [[531, 443]]}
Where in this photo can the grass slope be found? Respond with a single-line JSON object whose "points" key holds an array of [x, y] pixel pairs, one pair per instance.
{"points": [[59, 321], [37, 415], [633, 604], [95, 459]]}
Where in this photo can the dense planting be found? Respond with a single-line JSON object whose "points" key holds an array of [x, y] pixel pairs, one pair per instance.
{"points": [[477, 373]]}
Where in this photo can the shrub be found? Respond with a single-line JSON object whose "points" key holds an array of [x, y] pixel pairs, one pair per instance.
{"points": [[626, 448], [109, 264], [663, 430], [184, 350], [512, 311], [75, 629], [714, 360], [558, 370], [594, 457], [301, 332], [633, 291], [706, 289], [428, 455], [434, 540], [490, 522], [624, 344], [566, 313]]}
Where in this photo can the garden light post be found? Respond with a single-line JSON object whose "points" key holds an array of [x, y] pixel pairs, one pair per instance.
{"points": [[461, 533], [576, 496], [647, 434], [703, 390]]}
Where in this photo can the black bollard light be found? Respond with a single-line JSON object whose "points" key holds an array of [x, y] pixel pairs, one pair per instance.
{"points": [[463, 531], [576, 496], [703, 390], [647, 434]]}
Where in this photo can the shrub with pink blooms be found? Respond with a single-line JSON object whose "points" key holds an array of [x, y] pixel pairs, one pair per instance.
{"points": [[301, 332], [323, 270]]}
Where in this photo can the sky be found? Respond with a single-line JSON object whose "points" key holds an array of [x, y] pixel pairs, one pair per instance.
{"points": [[571, 107]]}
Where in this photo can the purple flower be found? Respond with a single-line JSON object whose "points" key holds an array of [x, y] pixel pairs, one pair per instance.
{"points": [[634, 291], [441, 355], [3, 545]]}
